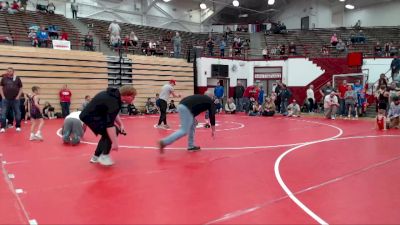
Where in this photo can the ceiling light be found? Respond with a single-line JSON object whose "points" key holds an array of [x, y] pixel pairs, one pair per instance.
{"points": [[235, 3], [271, 2], [342, 0], [203, 5], [166, 0], [349, 6]]}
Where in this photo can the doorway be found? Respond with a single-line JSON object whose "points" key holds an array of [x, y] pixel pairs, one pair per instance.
{"points": [[305, 23], [212, 83]]}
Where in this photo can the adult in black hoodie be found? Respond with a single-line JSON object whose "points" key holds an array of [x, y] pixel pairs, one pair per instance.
{"points": [[101, 115]]}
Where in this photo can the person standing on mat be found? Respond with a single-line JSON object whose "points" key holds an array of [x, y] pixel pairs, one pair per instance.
{"points": [[166, 91], [65, 100], [188, 109], [73, 128], [101, 115]]}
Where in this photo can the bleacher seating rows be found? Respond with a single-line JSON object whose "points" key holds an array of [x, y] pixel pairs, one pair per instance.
{"points": [[85, 73], [17, 25], [310, 42], [151, 73], [100, 28]]}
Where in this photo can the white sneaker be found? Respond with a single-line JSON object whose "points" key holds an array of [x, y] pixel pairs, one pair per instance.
{"points": [[333, 118], [2, 130], [18, 129], [39, 137], [105, 160], [32, 137], [94, 159], [166, 126], [160, 126]]}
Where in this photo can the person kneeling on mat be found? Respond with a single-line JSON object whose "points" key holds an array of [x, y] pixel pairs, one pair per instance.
{"points": [[101, 115], [188, 109], [73, 129]]}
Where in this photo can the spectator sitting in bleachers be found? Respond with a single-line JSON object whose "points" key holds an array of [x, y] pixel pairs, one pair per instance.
{"points": [[152, 47], [172, 107], [41, 8], [51, 8], [268, 108], [378, 51], [283, 49], [168, 37], [358, 25], [43, 37], [324, 50], [5, 39], [230, 107], [151, 107], [89, 42], [145, 47], [33, 37], [334, 40], [64, 35], [237, 48], [14, 8], [358, 38], [293, 109], [114, 29], [292, 48], [53, 32], [341, 46], [133, 39]]}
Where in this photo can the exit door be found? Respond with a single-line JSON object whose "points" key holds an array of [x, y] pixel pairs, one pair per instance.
{"points": [[305, 23]]}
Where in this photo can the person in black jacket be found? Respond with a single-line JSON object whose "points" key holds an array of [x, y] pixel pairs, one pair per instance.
{"points": [[188, 109], [238, 96], [101, 115]]}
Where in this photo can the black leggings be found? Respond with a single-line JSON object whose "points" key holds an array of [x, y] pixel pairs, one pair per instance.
{"points": [[163, 112], [312, 106], [105, 143]]}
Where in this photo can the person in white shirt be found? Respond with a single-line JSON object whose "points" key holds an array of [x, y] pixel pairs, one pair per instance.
{"points": [[166, 91], [114, 29], [265, 53], [230, 107], [311, 98], [331, 104], [73, 129], [293, 109]]}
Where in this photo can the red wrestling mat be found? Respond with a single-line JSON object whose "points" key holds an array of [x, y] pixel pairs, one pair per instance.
{"points": [[257, 170]]}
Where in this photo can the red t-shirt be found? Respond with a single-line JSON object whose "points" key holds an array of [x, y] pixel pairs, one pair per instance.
{"points": [[342, 90], [64, 36], [65, 96], [15, 6], [380, 122], [251, 91]]}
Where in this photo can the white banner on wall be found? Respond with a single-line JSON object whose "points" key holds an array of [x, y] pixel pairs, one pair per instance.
{"points": [[61, 45]]}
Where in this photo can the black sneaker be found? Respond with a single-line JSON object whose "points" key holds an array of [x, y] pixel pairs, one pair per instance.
{"points": [[207, 126], [194, 149]]}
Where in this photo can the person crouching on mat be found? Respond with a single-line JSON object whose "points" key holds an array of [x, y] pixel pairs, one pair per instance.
{"points": [[101, 115], [188, 109], [73, 129]]}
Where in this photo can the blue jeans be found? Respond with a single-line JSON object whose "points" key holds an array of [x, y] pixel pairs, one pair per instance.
{"points": [[343, 109], [177, 51], [284, 105], [65, 108], [239, 104], [6, 105], [188, 127]]}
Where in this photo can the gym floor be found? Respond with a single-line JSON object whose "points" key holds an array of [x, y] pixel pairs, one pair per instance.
{"points": [[257, 170]]}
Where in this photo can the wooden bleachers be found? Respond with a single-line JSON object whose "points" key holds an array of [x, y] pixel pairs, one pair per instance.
{"points": [[151, 73], [85, 73], [17, 25]]}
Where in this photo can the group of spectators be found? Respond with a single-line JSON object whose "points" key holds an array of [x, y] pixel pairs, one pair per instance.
{"points": [[388, 50], [42, 36], [148, 47], [15, 6], [153, 106], [279, 50], [253, 100]]}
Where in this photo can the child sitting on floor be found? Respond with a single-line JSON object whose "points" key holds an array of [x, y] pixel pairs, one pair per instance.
{"points": [[172, 107], [48, 111]]}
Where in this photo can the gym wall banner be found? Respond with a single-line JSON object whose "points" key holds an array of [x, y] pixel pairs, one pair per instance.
{"points": [[267, 73]]}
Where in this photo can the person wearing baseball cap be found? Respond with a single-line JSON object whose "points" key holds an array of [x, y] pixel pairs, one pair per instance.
{"points": [[166, 91]]}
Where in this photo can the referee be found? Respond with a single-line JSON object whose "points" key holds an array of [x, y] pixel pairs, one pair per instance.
{"points": [[166, 91]]}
